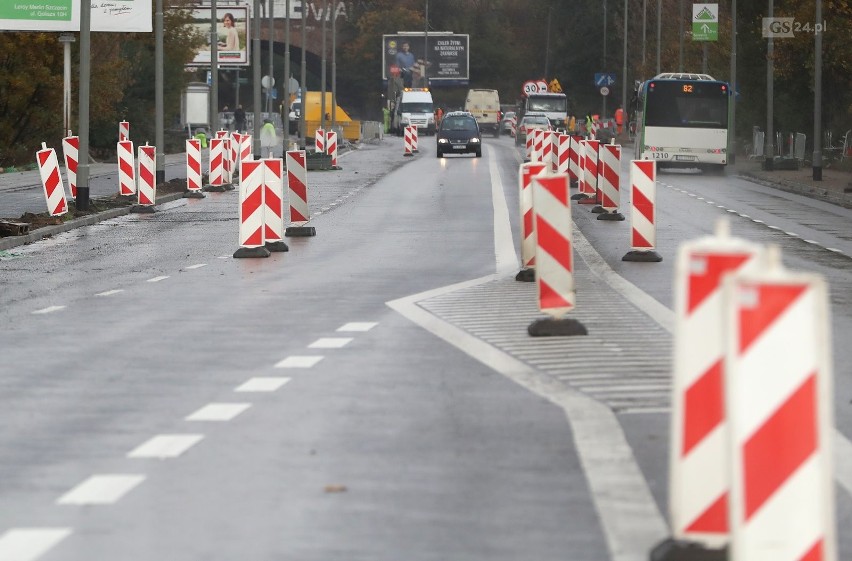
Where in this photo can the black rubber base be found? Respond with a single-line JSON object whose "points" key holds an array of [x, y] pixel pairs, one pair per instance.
{"points": [[573, 184], [194, 195], [277, 247], [251, 252], [526, 275], [580, 197], [643, 256], [218, 188], [550, 327], [672, 550], [587, 201], [143, 209], [614, 216], [598, 210], [300, 231], [408, 154]]}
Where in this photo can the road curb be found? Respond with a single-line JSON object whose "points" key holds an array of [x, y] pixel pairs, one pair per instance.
{"points": [[840, 199]]}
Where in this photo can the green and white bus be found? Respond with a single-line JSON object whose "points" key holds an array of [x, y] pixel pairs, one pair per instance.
{"points": [[682, 121]]}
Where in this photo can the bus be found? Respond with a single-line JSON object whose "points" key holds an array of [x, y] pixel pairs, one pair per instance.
{"points": [[682, 121]]}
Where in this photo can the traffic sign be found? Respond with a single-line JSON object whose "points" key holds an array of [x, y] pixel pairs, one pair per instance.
{"points": [[604, 90], [604, 79], [705, 22]]}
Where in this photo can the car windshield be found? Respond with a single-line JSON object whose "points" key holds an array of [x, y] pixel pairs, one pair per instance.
{"points": [[459, 124], [417, 107], [537, 120]]}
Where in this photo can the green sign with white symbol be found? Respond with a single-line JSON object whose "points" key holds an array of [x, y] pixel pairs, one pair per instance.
{"points": [[705, 22]]}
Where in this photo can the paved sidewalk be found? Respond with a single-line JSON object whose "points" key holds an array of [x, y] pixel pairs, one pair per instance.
{"points": [[835, 187]]}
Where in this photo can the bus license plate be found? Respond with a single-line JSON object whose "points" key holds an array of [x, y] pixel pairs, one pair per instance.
{"points": [[686, 158]]}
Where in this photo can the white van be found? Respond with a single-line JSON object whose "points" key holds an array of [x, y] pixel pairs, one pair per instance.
{"points": [[484, 105], [414, 107]]}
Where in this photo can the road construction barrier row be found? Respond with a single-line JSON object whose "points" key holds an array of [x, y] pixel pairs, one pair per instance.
{"points": [[51, 180], [71, 151], [147, 185], [126, 168]]}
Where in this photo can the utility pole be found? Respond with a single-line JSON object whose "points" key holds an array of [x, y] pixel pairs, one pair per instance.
{"points": [[256, 102], [159, 140], [303, 139], [624, 70], [286, 116], [426, 47], [271, 57], [82, 201], [547, 45], [659, 30], [680, 42], [732, 103], [603, 100], [334, 68], [323, 67], [66, 39], [769, 160], [214, 70], [817, 157]]}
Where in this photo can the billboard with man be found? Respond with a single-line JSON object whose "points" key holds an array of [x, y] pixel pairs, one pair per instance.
{"points": [[441, 57]]}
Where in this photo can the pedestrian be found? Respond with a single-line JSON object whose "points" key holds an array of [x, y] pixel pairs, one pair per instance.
{"points": [[268, 138], [240, 119]]}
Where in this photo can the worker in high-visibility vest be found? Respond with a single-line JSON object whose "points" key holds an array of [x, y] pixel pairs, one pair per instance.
{"points": [[619, 119], [201, 136], [572, 124]]}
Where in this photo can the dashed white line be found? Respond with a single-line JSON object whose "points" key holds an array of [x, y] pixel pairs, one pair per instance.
{"points": [[262, 384], [298, 362], [358, 326], [196, 266], [27, 544], [165, 446], [101, 489], [218, 412], [157, 279], [49, 309], [110, 292], [330, 343], [835, 250], [792, 234], [812, 242]]}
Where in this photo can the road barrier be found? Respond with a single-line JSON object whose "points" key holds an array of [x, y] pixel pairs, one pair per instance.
{"points": [[526, 172], [575, 155], [643, 212], [537, 146], [193, 169], [244, 149], [216, 173], [297, 184], [126, 168], [331, 147], [252, 225], [563, 155], [609, 182], [779, 399], [554, 256], [71, 151], [590, 172], [273, 203], [123, 131], [409, 140], [146, 185], [51, 181], [546, 154], [415, 133], [319, 141]]}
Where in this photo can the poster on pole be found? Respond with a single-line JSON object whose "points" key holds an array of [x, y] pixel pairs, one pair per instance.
{"points": [[442, 56], [705, 22], [232, 32], [124, 16]]}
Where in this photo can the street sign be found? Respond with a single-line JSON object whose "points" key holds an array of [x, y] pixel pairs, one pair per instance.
{"points": [[604, 90], [705, 22], [604, 79], [267, 82]]}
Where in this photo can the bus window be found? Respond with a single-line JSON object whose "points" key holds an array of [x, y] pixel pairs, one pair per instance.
{"points": [[669, 104]]}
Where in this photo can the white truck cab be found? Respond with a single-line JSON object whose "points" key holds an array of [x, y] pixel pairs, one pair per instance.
{"points": [[414, 106]]}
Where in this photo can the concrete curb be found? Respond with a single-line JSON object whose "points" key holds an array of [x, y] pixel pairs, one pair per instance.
{"points": [[840, 199]]}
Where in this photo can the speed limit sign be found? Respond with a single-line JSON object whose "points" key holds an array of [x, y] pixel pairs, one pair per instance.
{"points": [[604, 90], [530, 87]]}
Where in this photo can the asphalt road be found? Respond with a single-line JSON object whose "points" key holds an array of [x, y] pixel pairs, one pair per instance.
{"points": [[372, 393]]}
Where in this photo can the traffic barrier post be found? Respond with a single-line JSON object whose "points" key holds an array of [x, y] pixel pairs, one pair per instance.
{"points": [[331, 147], [273, 203], [528, 141], [70, 151], [537, 146], [126, 168], [408, 139], [297, 185], [216, 173], [414, 139], [563, 155], [609, 182], [51, 181], [580, 166], [526, 172], [643, 212], [574, 157], [123, 131], [193, 169], [546, 143], [590, 172], [146, 188], [554, 256], [252, 207], [319, 141]]}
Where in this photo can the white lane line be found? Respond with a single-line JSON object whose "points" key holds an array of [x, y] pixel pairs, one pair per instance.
{"points": [[812, 242], [792, 234], [756, 221], [835, 250], [101, 489], [48, 310], [157, 279], [505, 255], [218, 412], [299, 362], [330, 343], [27, 544], [262, 384], [165, 446], [358, 326], [224, 257], [196, 266], [110, 292]]}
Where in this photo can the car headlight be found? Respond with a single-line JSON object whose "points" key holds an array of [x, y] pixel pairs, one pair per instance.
{"points": [[474, 139], [442, 141]]}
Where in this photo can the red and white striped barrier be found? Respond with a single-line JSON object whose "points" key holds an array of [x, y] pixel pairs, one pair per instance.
{"points": [[609, 182], [513, 126], [574, 156], [126, 168], [414, 138], [538, 146], [222, 133], [297, 185], [408, 139], [216, 173], [331, 147], [643, 212], [252, 226], [319, 141], [547, 149], [51, 181], [526, 172], [554, 256], [699, 463], [193, 165], [123, 131], [563, 155], [273, 203], [146, 185], [71, 151], [529, 142], [590, 173], [779, 400]]}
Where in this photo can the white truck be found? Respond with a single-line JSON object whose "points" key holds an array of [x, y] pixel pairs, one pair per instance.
{"points": [[484, 105], [552, 104], [414, 106]]}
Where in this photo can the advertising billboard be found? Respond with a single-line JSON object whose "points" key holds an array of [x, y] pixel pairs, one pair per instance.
{"points": [[123, 16], [443, 56], [232, 31]]}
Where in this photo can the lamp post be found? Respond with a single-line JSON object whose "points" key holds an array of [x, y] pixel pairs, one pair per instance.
{"points": [[817, 157], [426, 47], [66, 39]]}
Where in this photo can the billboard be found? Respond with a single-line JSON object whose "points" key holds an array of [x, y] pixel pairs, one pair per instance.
{"points": [[123, 16], [447, 60], [232, 31]]}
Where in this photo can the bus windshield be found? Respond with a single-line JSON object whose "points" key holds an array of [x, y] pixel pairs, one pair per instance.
{"points": [[672, 103], [547, 104]]}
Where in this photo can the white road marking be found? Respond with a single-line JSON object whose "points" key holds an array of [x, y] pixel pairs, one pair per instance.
{"points": [[262, 384], [157, 279], [358, 326], [299, 362], [835, 250], [110, 292], [224, 257], [506, 257], [218, 412], [792, 234], [49, 309], [196, 266], [165, 446], [101, 489], [28, 544], [330, 343]]}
